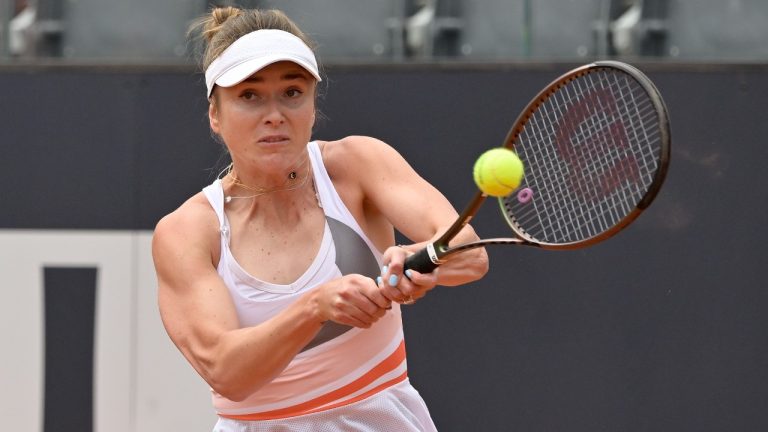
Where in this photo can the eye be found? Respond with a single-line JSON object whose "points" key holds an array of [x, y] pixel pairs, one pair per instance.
{"points": [[249, 95], [293, 93]]}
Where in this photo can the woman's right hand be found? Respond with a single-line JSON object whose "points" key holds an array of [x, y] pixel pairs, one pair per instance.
{"points": [[353, 300]]}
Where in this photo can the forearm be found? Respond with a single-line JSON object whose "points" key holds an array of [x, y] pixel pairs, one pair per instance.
{"points": [[244, 360], [461, 268]]}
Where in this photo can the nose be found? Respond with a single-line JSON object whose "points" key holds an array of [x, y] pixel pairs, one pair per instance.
{"points": [[274, 114]]}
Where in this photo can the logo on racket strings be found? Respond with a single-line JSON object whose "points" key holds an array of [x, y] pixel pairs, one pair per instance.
{"points": [[592, 139]]}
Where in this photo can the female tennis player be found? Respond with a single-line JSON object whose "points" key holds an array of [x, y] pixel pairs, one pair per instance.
{"points": [[266, 277]]}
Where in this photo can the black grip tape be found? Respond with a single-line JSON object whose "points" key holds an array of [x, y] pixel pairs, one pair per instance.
{"points": [[420, 262]]}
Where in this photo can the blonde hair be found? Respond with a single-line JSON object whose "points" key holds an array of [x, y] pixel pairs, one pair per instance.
{"points": [[224, 25]]}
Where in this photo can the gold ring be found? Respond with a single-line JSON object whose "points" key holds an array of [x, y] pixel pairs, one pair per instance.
{"points": [[409, 301]]}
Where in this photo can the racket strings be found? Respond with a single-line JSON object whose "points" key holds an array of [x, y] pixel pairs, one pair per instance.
{"points": [[591, 152], [616, 209]]}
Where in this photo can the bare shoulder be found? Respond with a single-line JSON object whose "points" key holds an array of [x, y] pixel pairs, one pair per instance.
{"points": [[193, 227], [356, 154]]}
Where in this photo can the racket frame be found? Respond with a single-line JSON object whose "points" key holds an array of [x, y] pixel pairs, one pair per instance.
{"points": [[436, 252]]}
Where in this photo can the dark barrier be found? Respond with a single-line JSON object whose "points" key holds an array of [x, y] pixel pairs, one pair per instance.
{"points": [[662, 328]]}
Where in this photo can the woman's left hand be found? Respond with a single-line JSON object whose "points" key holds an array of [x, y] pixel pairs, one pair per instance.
{"points": [[399, 286]]}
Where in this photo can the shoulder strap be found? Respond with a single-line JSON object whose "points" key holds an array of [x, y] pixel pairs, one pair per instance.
{"points": [[215, 195]]}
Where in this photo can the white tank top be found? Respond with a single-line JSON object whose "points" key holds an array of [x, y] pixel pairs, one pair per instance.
{"points": [[345, 374]]}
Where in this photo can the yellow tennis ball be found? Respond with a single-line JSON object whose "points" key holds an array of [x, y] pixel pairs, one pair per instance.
{"points": [[498, 172]]}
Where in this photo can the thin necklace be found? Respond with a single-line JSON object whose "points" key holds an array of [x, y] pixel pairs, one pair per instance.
{"points": [[263, 191]]}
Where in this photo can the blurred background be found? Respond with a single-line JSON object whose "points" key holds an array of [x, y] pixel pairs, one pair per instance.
{"points": [[663, 328], [402, 30]]}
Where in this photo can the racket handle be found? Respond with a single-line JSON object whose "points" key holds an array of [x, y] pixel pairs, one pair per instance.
{"points": [[420, 262]]}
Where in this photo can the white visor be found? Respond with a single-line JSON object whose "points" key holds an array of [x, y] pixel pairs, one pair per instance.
{"points": [[254, 52]]}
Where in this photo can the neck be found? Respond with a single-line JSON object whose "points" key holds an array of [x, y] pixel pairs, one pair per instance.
{"points": [[295, 179]]}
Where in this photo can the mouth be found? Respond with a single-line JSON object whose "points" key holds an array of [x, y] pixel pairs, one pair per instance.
{"points": [[273, 139]]}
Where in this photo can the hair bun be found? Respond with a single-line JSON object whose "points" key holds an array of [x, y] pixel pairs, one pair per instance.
{"points": [[217, 18], [221, 14]]}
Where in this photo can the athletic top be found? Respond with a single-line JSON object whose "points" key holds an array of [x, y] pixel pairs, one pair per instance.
{"points": [[344, 371]]}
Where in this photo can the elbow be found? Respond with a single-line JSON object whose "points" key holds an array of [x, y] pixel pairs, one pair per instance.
{"points": [[229, 387], [225, 380], [233, 373], [232, 394], [237, 382]]}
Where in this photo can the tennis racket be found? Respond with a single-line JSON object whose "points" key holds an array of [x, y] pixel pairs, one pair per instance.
{"points": [[595, 144]]}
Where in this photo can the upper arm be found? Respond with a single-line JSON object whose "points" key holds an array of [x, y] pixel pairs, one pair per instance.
{"points": [[194, 303], [201, 319], [389, 184]]}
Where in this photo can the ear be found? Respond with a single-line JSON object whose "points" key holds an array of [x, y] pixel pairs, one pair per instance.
{"points": [[313, 122], [213, 117]]}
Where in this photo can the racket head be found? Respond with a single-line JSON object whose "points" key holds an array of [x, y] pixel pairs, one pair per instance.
{"points": [[596, 147]]}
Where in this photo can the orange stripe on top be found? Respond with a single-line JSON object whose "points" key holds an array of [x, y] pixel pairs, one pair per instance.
{"points": [[321, 403], [323, 369]]}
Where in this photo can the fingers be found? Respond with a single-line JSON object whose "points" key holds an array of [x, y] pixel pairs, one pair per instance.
{"points": [[403, 287], [389, 288], [374, 294], [392, 279], [356, 300], [422, 279]]}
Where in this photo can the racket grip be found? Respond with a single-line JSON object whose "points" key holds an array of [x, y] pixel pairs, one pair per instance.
{"points": [[420, 262]]}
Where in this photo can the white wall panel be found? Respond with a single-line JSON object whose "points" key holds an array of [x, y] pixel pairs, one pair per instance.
{"points": [[142, 383]]}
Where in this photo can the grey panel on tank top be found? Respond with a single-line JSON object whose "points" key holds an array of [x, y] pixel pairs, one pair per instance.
{"points": [[352, 256]]}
